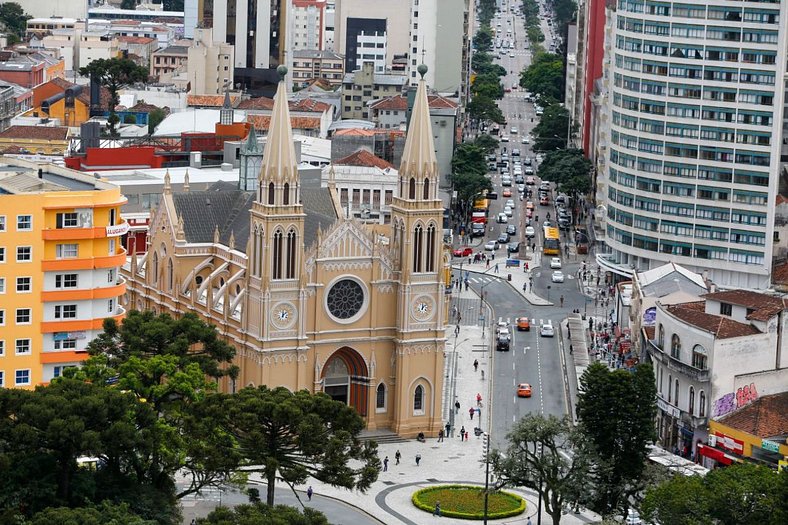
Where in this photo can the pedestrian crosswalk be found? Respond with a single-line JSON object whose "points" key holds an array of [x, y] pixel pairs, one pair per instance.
{"points": [[510, 321]]}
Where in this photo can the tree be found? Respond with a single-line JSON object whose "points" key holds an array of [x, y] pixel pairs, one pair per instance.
{"points": [[487, 85], [104, 514], [172, 364], [262, 513], [482, 64], [113, 74], [536, 458], [551, 131], [741, 494], [545, 77], [486, 142], [154, 119], [14, 19], [484, 108], [619, 431], [294, 435], [483, 40], [469, 158], [569, 168]]}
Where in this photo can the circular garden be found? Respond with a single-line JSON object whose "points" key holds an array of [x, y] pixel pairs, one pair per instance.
{"points": [[467, 502]]}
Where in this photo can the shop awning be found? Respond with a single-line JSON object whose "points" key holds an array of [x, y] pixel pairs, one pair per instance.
{"points": [[715, 454]]}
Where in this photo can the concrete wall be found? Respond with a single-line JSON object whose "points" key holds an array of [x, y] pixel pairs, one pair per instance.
{"points": [[394, 11]]}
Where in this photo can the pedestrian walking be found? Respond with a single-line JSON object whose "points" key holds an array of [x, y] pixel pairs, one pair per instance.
{"points": [[479, 413], [457, 330], [561, 299], [475, 365], [309, 493], [488, 263], [470, 259], [437, 511], [385, 464], [457, 406], [471, 411], [448, 429], [528, 522], [418, 459], [525, 287], [440, 435], [478, 399], [462, 433], [467, 284], [496, 267]]}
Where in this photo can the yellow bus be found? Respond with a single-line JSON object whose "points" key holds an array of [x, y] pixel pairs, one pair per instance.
{"points": [[552, 242], [481, 205]]}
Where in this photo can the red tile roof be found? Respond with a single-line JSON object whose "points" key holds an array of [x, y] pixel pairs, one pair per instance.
{"points": [[780, 273], [719, 325], [257, 103], [765, 417], [136, 39], [400, 103], [263, 122], [35, 132], [364, 158], [209, 101], [765, 306], [649, 332], [308, 104], [369, 132]]}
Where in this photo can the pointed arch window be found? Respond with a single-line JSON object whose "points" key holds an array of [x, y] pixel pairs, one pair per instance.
{"points": [[692, 401], [430, 263], [418, 248], [380, 398], [675, 346], [676, 393], [277, 256], [702, 404], [412, 189], [271, 193], [418, 399], [155, 276], [290, 254], [426, 189], [170, 276], [670, 382], [286, 194]]}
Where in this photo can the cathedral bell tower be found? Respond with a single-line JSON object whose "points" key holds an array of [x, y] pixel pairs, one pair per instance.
{"points": [[277, 228]]}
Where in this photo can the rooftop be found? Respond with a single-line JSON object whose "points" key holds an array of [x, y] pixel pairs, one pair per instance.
{"points": [[302, 105], [18, 176], [193, 120], [380, 79], [136, 39], [35, 133], [263, 122], [210, 101], [766, 417], [719, 325], [173, 50], [363, 158], [313, 53], [765, 306]]}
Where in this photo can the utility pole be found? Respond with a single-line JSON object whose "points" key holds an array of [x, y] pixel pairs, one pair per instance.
{"points": [[539, 505], [486, 473]]}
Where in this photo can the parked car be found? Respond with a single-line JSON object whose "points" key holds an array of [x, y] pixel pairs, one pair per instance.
{"points": [[530, 181]]}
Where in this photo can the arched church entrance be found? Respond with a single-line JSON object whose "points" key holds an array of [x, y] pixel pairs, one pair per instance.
{"points": [[346, 379]]}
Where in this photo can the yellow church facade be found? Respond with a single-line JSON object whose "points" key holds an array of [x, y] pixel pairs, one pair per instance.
{"points": [[311, 299]]}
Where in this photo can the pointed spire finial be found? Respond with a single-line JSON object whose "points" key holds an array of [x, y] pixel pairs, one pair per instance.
{"points": [[216, 234], [418, 155], [167, 182], [279, 163], [282, 71], [186, 180], [231, 242], [179, 233], [422, 69]]}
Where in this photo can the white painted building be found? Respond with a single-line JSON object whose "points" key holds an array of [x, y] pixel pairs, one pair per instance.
{"points": [[79, 48], [50, 8], [366, 185], [713, 356], [210, 66], [692, 164], [371, 47], [307, 24]]}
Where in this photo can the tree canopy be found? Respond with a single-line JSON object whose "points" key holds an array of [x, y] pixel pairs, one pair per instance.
{"points": [[14, 19], [741, 494], [483, 40], [544, 77], [113, 74], [260, 513], [569, 168], [293, 435], [487, 143], [483, 108], [616, 410], [536, 459], [551, 131]]}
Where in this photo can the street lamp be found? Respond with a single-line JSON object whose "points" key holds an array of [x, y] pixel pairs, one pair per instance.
{"points": [[486, 473]]}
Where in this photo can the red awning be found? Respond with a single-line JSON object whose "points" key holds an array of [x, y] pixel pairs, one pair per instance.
{"points": [[717, 455]]}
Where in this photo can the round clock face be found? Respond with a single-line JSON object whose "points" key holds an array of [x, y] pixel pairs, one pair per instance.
{"points": [[422, 307], [345, 299], [283, 315]]}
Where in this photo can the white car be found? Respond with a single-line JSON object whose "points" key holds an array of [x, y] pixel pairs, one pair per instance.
{"points": [[508, 211], [513, 131], [530, 232], [502, 218], [511, 55], [557, 277], [547, 330], [510, 203], [525, 140], [491, 245], [555, 263], [504, 138]]}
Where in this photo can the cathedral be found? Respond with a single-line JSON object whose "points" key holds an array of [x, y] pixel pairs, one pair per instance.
{"points": [[312, 299]]}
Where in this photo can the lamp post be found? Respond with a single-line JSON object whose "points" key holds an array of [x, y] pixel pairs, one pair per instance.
{"points": [[486, 473], [539, 504]]}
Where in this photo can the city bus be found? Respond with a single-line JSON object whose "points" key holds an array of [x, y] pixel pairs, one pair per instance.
{"points": [[481, 210], [552, 243]]}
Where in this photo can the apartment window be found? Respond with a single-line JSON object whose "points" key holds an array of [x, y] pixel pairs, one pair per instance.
{"points": [[24, 223], [65, 344], [2, 349], [23, 284], [111, 306], [675, 346], [2, 223], [2, 254], [2, 284], [23, 377], [111, 245], [111, 276], [68, 280], [22, 346], [67, 220], [699, 357], [2, 378], [60, 369], [24, 253], [726, 309], [702, 404], [66, 251], [23, 316], [2, 317], [66, 311]]}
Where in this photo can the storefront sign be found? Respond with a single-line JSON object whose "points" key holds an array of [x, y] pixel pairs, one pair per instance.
{"points": [[728, 443], [771, 446], [117, 230], [61, 336], [668, 409]]}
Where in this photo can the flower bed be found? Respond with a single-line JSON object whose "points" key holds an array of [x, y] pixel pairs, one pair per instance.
{"points": [[467, 502]]}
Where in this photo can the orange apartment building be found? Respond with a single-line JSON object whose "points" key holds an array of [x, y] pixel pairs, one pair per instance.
{"points": [[60, 257]]}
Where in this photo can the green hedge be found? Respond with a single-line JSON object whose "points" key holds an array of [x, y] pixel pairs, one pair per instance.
{"points": [[467, 502]]}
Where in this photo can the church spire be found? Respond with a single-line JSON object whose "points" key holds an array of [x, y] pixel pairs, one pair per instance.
{"points": [[419, 167], [226, 113], [279, 159]]}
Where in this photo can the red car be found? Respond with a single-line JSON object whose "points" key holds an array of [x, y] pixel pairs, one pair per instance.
{"points": [[507, 192], [463, 252]]}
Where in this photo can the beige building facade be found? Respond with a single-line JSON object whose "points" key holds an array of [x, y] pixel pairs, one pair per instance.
{"points": [[310, 299]]}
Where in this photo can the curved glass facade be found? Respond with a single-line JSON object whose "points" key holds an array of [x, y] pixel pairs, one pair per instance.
{"points": [[695, 103]]}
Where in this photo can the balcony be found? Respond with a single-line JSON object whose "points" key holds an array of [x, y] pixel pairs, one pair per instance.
{"points": [[676, 365]]}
